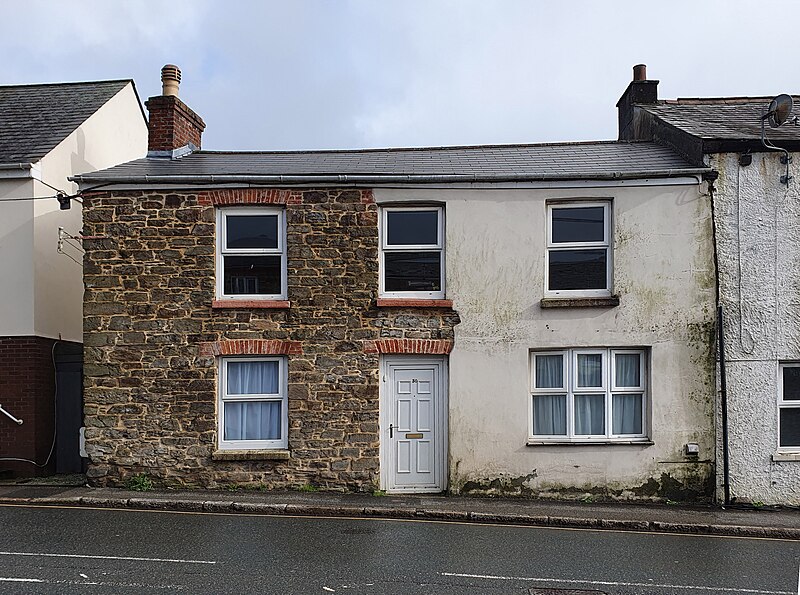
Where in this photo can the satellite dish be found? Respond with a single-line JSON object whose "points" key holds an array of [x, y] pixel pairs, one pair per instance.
{"points": [[779, 110]]}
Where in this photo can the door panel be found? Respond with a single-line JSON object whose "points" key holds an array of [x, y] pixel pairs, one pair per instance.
{"points": [[415, 447]]}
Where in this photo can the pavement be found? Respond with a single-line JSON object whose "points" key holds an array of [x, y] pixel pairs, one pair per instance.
{"points": [[781, 523]]}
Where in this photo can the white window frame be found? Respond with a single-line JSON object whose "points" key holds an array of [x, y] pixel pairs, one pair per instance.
{"points": [[222, 250], [571, 246], [783, 404], [608, 390], [438, 247], [281, 396]]}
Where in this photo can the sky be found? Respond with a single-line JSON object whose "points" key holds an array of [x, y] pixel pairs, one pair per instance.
{"points": [[327, 74]]}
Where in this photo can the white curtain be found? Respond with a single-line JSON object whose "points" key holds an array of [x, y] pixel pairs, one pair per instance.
{"points": [[549, 371], [627, 413], [590, 370], [589, 415], [550, 414], [253, 378], [627, 369], [253, 420]]}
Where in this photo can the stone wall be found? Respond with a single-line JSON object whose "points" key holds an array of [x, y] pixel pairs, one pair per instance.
{"points": [[151, 393]]}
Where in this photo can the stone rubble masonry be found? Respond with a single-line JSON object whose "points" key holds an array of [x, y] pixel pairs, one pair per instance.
{"points": [[152, 337]]}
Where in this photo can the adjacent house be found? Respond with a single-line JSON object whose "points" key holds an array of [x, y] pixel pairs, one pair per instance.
{"points": [[517, 319], [757, 242], [48, 133]]}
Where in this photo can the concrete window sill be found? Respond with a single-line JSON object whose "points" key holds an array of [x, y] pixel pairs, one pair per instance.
{"points": [[642, 442], [250, 455], [586, 302], [250, 304], [785, 457], [413, 303]]}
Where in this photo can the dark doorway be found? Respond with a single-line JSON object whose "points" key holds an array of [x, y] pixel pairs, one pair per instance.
{"points": [[68, 358]]}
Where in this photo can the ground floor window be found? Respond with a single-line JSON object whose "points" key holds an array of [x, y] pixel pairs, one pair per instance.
{"points": [[789, 406], [252, 404], [588, 394]]}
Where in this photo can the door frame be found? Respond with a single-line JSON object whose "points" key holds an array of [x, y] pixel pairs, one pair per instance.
{"points": [[441, 426]]}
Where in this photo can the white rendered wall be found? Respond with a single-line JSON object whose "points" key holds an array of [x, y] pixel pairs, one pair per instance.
{"points": [[758, 231], [16, 258], [664, 276], [116, 133]]}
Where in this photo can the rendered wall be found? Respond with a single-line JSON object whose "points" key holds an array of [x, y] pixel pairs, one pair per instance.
{"points": [[758, 231], [16, 258], [664, 276], [114, 134]]}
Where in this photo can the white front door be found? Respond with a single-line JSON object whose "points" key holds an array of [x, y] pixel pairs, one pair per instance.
{"points": [[413, 425]]}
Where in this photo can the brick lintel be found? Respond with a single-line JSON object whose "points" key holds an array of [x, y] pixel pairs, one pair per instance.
{"points": [[251, 347], [250, 304], [413, 303], [415, 346]]}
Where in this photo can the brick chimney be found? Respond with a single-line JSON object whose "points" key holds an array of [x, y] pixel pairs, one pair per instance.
{"points": [[173, 128], [640, 90]]}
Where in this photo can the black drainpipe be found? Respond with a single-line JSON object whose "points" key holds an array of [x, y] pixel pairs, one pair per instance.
{"points": [[711, 177]]}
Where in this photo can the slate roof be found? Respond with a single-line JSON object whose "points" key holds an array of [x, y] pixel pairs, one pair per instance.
{"points": [[591, 160], [35, 118], [727, 118]]}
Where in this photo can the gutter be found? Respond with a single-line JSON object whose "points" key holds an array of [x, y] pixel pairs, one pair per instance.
{"points": [[7, 166], [19, 171], [356, 179]]}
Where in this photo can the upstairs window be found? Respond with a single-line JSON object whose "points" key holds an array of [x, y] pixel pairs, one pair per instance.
{"points": [[578, 253], [251, 253], [588, 394], [412, 252], [789, 407]]}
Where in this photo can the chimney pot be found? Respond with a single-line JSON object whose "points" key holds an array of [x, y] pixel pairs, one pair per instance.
{"points": [[170, 80], [639, 72]]}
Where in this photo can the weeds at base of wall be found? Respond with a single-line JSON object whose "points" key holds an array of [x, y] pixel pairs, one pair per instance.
{"points": [[140, 482]]}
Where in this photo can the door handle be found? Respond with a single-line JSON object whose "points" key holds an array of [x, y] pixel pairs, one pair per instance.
{"points": [[391, 430]]}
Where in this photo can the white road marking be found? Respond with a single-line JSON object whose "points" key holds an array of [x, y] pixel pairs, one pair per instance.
{"points": [[130, 558], [616, 584], [329, 589], [91, 583]]}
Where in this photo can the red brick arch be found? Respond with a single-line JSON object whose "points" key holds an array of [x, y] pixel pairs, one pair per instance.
{"points": [[251, 347], [419, 346]]}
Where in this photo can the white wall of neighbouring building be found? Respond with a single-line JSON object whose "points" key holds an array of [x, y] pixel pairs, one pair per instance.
{"points": [[758, 239], [115, 133]]}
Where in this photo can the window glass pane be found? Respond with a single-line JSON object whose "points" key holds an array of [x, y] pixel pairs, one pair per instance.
{"points": [[412, 271], [251, 231], [627, 369], [550, 415], [253, 378], [590, 370], [577, 269], [590, 415], [583, 224], [626, 412], [260, 420], [252, 275], [791, 383], [412, 228], [549, 371], [790, 426]]}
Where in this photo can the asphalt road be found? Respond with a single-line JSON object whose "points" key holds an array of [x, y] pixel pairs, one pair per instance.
{"points": [[78, 550]]}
